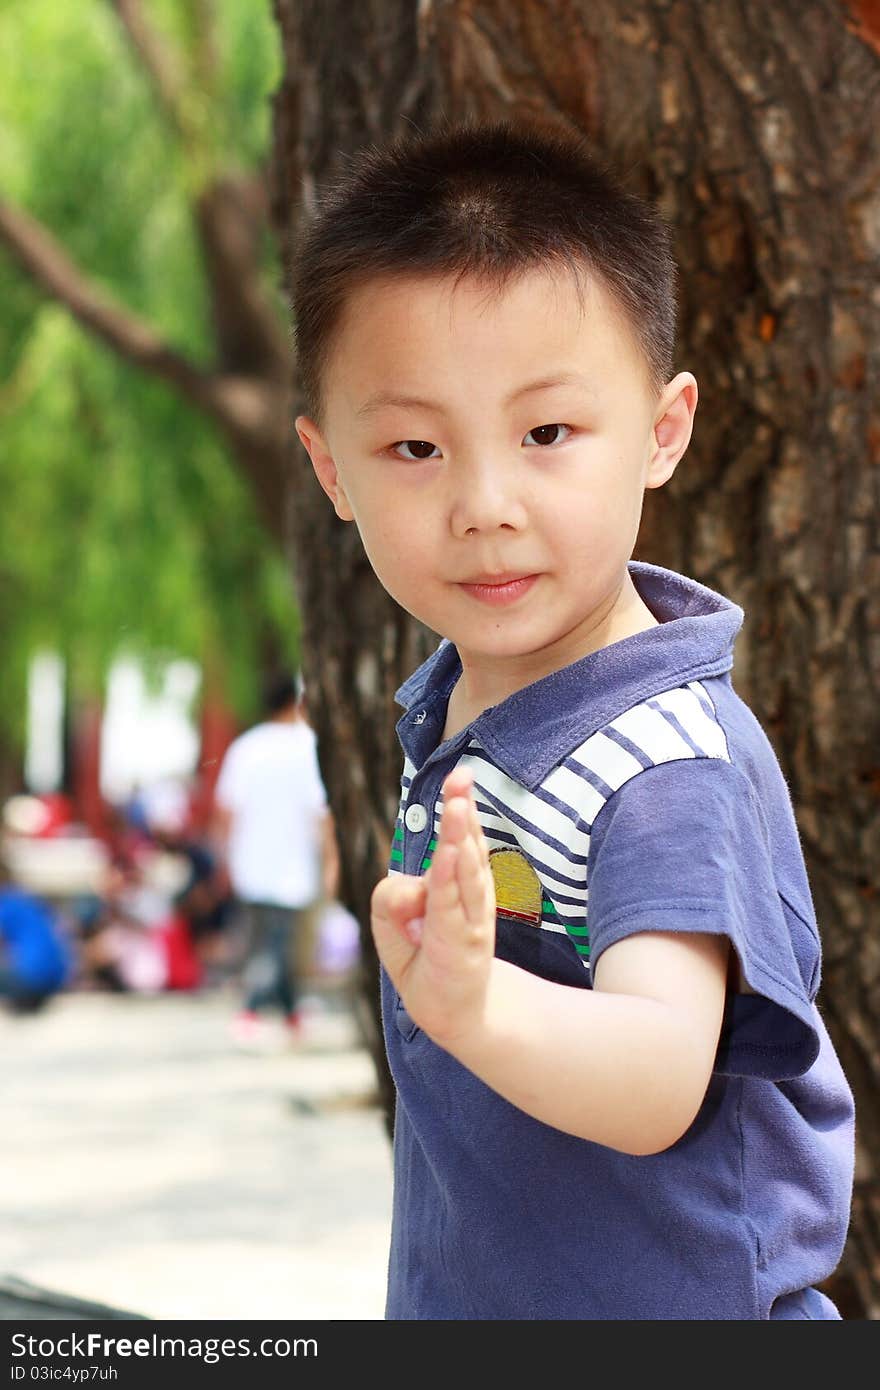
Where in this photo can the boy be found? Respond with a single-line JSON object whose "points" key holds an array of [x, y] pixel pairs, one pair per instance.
{"points": [[621, 1107]]}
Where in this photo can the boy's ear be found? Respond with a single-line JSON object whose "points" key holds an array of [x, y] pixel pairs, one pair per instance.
{"points": [[323, 463], [673, 424]]}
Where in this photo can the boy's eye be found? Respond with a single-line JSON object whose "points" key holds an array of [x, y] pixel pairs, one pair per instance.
{"points": [[415, 449], [547, 434]]}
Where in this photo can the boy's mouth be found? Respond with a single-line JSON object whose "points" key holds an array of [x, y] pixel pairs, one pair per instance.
{"points": [[499, 588]]}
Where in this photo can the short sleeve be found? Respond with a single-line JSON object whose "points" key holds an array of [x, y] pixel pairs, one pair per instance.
{"points": [[683, 847]]}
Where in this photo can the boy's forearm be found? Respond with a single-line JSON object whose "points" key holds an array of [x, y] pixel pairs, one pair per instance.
{"points": [[620, 1070]]}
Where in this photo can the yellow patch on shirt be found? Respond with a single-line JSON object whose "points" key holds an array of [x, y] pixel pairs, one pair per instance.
{"points": [[517, 887]]}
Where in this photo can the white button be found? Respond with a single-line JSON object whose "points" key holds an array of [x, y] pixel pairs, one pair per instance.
{"points": [[416, 817]]}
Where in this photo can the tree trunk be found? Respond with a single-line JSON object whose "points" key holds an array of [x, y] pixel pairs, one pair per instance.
{"points": [[755, 127], [11, 770], [345, 69]]}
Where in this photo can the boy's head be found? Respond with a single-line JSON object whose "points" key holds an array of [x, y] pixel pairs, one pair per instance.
{"points": [[485, 326], [490, 202]]}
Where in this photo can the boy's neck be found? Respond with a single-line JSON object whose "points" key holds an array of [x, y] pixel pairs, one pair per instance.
{"points": [[484, 683]]}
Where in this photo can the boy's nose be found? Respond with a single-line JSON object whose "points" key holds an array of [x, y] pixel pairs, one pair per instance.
{"points": [[487, 498]]}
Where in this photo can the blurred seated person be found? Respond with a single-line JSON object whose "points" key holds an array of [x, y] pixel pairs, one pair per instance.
{"points": [[35, 958], [204, 900], [123, 939]]}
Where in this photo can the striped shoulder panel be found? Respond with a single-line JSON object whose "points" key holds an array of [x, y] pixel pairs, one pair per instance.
{"points": [[668, 727], [551, 825]]}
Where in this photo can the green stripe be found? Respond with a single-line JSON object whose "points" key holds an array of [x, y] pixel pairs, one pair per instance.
{"points": [[398, 835], [578, 931], [396, 856]]}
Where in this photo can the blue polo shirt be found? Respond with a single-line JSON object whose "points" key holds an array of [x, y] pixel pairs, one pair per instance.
{"points": [[631, 791]]}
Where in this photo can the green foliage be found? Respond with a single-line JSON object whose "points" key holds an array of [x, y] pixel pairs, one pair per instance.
{"points": [[124, 524]]}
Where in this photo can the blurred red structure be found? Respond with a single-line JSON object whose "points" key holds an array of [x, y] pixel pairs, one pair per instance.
{"points": [[89, 806], [86, 803], [218, 728]]}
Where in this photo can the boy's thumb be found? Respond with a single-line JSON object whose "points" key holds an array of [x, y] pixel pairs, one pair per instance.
{"points": [[398, 903], [397, 898]]}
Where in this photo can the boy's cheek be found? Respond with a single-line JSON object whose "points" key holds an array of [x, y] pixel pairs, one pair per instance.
{"points": [[405, 589]]}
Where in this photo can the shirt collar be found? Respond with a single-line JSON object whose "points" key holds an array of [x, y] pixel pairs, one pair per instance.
{"points": [[536, 727]]}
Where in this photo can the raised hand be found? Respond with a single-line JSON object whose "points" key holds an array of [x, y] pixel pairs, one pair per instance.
{"points": [[435, 934]]}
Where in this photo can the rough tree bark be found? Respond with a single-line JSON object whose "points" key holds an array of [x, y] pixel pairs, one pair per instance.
{"points": [[755, 126]]}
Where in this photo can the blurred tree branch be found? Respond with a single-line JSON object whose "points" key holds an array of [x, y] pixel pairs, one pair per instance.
{"points": [[48, 263], [249, 409], [157, 59], [246, 392]]}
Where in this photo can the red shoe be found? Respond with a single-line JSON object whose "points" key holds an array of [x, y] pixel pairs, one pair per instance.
{"points": [[247, 1027], [293, 1028]]}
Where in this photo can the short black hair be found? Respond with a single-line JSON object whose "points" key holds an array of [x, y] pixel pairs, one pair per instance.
{"points": [[281, 689], [488, 200]]}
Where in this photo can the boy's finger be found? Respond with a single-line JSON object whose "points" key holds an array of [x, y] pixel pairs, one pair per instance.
{"points": [[460, 784], [445, 914], [460, 775], [473, 886], [478, 834], [455, 821], [396, 915], [442, 887], [398, 897]]}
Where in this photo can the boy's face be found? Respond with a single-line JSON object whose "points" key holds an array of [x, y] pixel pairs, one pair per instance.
{"points": [[478, 436]]}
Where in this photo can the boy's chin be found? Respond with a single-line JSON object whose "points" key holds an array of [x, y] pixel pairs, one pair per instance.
{"points": [[486, 636], [494, 644]]}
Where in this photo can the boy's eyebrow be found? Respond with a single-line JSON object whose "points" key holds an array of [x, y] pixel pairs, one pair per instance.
{"points": [[545, 383], [380, 399]]}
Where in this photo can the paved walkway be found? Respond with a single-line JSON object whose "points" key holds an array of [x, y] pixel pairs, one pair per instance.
{"points": [[148, 1164]]}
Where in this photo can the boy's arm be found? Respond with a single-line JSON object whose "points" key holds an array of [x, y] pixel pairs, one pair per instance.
{"points": [[625, 1064]]}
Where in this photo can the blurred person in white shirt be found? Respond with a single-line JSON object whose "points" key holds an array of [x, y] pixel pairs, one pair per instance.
{"points": [[276, 833]]}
